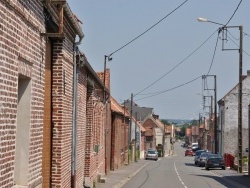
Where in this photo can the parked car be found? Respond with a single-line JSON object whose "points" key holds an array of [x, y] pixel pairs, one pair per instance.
{"points": [[151, 154], [189, 152], [203, 158], [215, 161], [194, 146], [197, 155]]}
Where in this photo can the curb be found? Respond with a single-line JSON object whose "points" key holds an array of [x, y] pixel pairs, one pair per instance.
{"points": [[124, 181]]}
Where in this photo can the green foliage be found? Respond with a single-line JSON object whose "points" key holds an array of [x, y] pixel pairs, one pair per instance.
{"points": [[164, 121]]}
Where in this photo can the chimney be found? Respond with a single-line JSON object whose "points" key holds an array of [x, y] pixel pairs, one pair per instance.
{"points": [[155, 116]]}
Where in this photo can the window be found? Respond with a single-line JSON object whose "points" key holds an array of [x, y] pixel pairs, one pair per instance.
{"points": [[149, 138]]}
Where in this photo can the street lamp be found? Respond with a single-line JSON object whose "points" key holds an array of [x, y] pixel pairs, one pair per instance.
{"points": [[206, 20], [105, 62], [240, 49], [106, 108]]}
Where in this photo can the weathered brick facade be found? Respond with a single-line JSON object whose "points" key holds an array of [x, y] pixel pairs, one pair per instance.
{"points": [[119, 135], [21, 93], [36, 95]]}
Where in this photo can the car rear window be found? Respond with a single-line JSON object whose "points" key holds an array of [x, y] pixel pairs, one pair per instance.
{"points": [[151, 152]]}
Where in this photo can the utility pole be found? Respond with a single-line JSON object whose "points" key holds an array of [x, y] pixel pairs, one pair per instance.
{"points": [[248, 140], [240, 50], [135, 136], [130, 125], [215, 117], [163, 149], [215, 127]]}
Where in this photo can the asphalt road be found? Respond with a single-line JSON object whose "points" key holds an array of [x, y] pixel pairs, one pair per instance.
{"points": [[178, 171]]}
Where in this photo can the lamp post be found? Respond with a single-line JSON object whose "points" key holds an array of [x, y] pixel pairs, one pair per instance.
{"points": [[240, 49], [106, 110]]}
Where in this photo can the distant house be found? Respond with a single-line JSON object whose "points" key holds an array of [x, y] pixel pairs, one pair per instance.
{"points": [[138, 112], [119, 135], [228, 118], [169, 139], [137, 131], [188, 136], [201, 137], [195, 133]]}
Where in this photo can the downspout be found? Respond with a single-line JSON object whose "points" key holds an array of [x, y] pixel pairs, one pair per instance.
{"points": [[74, 127], [75, 104]]}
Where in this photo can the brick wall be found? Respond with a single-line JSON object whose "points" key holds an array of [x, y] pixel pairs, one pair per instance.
{"points": [[81, 126], [21, 56], [95, 134], [119, 138]]}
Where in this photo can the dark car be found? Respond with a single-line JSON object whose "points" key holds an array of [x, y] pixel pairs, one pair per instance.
{"points": [[215, 161], [152, 154], [197, 155], [189, 152], [203, 158]]}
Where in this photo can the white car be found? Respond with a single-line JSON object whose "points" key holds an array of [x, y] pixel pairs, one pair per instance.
{"points": [[152, 154]]}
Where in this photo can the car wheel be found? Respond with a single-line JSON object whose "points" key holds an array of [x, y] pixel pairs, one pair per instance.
{"points": [[207, 168], [223, 168]]}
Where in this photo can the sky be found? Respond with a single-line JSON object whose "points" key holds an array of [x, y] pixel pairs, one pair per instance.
{"points": [[157, 48]]}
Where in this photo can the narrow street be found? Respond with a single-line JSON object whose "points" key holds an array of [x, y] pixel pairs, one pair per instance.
{"points": [[178, 171]]}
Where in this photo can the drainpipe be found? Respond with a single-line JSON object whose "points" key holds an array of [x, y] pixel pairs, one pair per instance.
{"points": [[74, 126], [80, 34]]}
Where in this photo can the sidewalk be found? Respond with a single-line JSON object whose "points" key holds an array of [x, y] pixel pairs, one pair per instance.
{"points": [[234, 176], [117, 178]]}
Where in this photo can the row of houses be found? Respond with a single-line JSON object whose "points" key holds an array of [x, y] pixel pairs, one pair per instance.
{"points": [[227, 124], [59, 124]]}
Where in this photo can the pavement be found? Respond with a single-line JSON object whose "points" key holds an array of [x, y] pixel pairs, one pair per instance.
{"points": [[119, 177]]}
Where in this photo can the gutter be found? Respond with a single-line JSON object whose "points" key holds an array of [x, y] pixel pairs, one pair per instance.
{"points": [[77, 28]]}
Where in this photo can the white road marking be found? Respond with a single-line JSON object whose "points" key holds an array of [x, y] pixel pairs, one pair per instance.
{"points": [[179, 177]]}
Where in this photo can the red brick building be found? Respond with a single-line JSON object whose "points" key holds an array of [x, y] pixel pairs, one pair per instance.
{"points": [[51, 94], [49, 89], [119, 135]]}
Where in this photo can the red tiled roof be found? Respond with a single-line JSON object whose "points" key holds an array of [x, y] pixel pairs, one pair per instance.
{"points": [[116, 107], [160, 124]]}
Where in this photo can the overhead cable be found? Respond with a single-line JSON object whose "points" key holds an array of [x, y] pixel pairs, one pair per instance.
{"points": [[161, 92], [148, 29], [177, 64], [211, 64], [234, 13]]}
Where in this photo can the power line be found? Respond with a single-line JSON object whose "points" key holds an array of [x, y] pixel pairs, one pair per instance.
{"points": [[235, 42], [177, 64], [148, 28], [234, 13], [161, 92], [211, 64]]}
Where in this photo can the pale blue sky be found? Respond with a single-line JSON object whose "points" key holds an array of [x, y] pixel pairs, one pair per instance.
{"points": [[110, 24]]}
